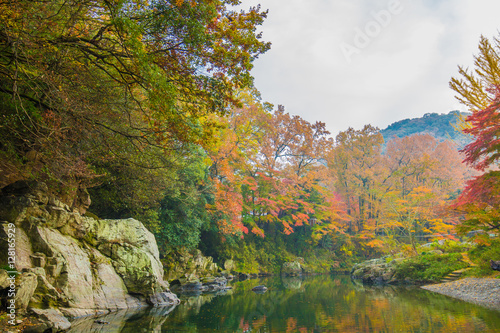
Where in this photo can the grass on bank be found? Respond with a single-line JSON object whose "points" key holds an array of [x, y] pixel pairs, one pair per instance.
{"points": [[429, 267], [438, 259], [481, 254]]}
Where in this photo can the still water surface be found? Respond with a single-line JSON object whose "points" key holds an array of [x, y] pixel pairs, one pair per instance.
{"points": [[313, 304]]}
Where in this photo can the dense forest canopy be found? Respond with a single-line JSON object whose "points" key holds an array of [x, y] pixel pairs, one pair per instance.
{"points": [[89, 86], [150, 106], [118, 94]]}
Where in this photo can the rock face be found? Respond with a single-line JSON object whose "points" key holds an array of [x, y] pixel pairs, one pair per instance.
{"points": [[293, 268], [72, 265], [375, 271], [183, 265]]}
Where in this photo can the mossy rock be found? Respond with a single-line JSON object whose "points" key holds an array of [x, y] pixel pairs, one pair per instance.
{"points": [[293, 268]]}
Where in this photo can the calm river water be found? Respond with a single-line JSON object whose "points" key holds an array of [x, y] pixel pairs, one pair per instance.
{"points": [[313, 304]]}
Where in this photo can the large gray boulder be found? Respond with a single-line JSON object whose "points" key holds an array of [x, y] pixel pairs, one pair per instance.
{"points": [[186, 265], [73, 265], [134, 254], [229, 265], [375, 271], [293, 268], [54, 319]]}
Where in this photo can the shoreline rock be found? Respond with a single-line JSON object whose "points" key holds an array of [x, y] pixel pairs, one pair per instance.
{"points": [[205, 285], [183, 264], [72, 265], [292, 268], [375, 271]]}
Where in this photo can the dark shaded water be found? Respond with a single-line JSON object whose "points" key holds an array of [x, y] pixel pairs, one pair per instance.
{"points": [[314, 304]]}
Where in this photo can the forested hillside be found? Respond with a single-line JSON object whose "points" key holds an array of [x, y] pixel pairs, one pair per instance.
{"points": [[150, 107], [441, 126]]}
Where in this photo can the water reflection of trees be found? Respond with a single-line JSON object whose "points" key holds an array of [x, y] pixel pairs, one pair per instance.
{"points": [[319, 304], [336, 304]]}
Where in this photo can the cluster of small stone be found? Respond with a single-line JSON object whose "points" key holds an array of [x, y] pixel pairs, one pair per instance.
{"points": [[480, 291]]}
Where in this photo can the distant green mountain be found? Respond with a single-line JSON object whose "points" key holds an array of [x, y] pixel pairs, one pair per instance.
{"points": [[438, 125]]}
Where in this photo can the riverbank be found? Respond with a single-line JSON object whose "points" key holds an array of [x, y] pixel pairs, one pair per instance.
{"points": [[481, 291]]}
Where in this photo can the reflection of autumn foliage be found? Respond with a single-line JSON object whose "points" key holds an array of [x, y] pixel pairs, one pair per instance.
{"points": [[244, 326], [259, 323], [291, 325], [335, 304]]}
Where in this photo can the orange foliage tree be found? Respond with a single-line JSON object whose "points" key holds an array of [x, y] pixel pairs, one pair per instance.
{"points": [[269, 164], [397, 193], [356, 166], [422, 176]]}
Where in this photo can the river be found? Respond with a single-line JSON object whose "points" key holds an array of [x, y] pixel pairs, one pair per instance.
{"points": [[313, 304]]}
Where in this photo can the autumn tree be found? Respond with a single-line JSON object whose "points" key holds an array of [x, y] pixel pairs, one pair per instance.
{"points": [[398, 193], [417, 214], [288, 163], [356, 165], [422, 176], [421, 160], [117, 93], [479, 90], [232, 157], [269, 170]]}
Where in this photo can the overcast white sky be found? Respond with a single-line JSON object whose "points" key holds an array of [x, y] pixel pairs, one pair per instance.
{"points": [[321, 69]]}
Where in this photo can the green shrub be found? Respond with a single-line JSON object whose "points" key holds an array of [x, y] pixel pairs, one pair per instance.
{"points": [[451, 246], [429, 267], [481, 256]]}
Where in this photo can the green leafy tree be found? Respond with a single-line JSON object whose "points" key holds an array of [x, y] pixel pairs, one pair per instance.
{"points": [[89, 87], [183, 212]]}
